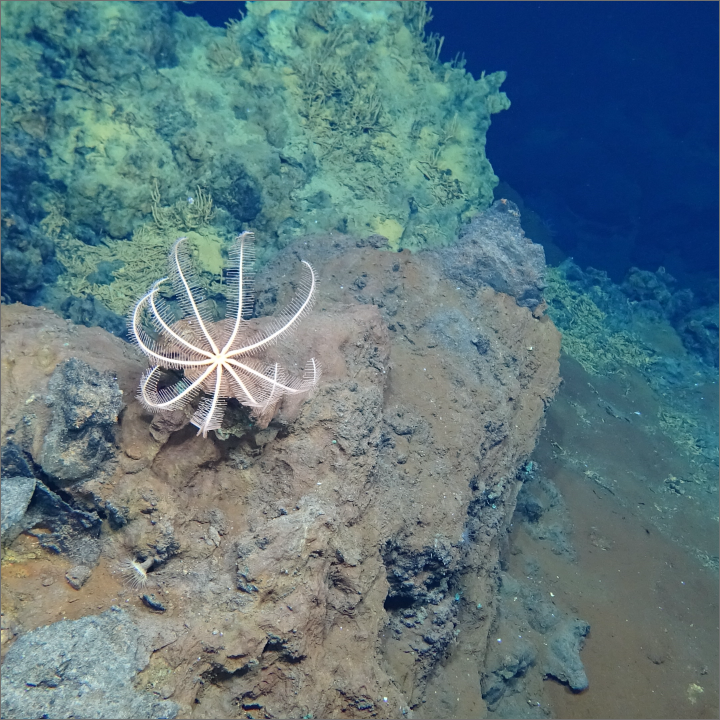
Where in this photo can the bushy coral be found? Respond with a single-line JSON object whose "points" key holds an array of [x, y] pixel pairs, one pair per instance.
{"points": [[586, 334], [298, 117]]}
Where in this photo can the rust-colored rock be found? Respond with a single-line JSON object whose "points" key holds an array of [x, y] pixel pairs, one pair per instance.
{"points": [[317, 566]]}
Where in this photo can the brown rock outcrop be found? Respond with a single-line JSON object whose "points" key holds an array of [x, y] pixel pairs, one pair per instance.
{"points": [[320, 565]]}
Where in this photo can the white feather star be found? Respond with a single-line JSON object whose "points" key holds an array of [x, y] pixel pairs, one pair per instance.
{"points": [[219, 358]]}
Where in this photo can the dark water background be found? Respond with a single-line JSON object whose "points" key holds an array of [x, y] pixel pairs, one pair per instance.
{"points": [[612, 133]]}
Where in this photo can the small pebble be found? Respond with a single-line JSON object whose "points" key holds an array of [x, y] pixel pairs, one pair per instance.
{"points": [[78, 576]]}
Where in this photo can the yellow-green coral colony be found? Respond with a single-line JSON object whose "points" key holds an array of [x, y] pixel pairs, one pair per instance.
{"points": [[585, 334], [299, 117]]}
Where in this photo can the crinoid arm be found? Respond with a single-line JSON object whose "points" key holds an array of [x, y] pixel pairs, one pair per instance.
{"points": [[172, 397], [276, 384], [240, 281], [311, 375], [287, 321], [256, 384], [175, 347], [209, 415], [296, 385], [190, 293]]}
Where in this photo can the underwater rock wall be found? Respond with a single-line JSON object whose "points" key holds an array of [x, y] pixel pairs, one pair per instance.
{"points": [[324, 566], [131, 121]]}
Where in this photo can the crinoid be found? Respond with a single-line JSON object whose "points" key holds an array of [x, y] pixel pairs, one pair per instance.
{"points": [[136, 572], [222, 359]]}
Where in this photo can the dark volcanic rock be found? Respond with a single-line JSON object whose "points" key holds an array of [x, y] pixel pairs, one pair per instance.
{"points": [[507, 662], [63, 528], [563, 657], [14, 463], [77, 576], [494, 251], [532, 639], [16, 494], [85, 405]]}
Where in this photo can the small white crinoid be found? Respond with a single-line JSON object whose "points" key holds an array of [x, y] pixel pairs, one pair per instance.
{"points": [[222, 359], [136, 572]]}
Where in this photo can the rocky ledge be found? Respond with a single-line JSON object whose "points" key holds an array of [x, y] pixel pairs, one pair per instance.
{"points": [[316, 568]]}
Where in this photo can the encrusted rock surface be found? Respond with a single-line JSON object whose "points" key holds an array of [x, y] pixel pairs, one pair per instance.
{"points": [[326, 564], [493, 250], [85, 404], [17, 491], [80, 668], [532, 639]]}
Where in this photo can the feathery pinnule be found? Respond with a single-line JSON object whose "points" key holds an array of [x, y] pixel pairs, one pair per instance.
{"points": [[220, 359]]}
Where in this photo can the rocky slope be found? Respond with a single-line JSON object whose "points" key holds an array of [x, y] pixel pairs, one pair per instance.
{"points": [[312, 569]]}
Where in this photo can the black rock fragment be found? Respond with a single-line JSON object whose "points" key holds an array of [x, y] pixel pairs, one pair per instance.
{"points": [[81, 441]]}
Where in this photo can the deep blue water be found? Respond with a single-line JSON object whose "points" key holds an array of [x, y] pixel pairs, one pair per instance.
{"points": [[613, 128], [613, 131]]}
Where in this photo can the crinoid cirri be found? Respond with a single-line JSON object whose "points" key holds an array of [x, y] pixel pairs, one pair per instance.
{"points": [[222, 359]]}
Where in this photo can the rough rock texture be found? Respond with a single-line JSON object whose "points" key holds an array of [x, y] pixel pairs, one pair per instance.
{"points": [[84, 668], [85, 405], [494, 251], [62, 527], [507, 663], [14, 463], [325, 564], [78, 576], [532, 638], [31, 504], [32, 348], [563, 660], [16, 494], [18, 486], [699, 332]]}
